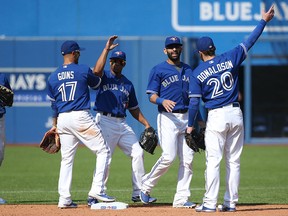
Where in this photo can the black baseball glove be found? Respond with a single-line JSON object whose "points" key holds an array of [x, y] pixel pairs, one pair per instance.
{"points": [[50, 142], [195, 140], [149, 140], [6, 96]]}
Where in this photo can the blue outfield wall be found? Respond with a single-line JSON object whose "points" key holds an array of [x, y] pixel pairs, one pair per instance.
{"points": [[32, 31], [30, 116]]}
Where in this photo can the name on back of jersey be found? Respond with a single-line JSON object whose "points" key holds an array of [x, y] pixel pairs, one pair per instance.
{"points": [[65, 75], [214, 69]]}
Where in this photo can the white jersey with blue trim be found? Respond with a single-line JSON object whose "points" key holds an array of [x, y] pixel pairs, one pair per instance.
{"points": [[115, 95], [68, 87], [170, 83], [216, 80]]}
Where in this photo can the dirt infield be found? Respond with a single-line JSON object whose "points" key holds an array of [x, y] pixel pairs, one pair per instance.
{"points": [[139, 210]]}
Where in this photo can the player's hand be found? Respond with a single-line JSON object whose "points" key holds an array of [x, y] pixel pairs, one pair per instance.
{"points": [[267, 16], [189, 129], [168, 105], [110, 43]]}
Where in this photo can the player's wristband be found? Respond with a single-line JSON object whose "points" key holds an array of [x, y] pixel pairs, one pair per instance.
{"points": [[159, 101]]}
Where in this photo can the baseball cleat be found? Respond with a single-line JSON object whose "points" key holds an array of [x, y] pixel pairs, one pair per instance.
{"points": [[104, 197], [224, 208], [188, 204], [137, 199], [91, 201], [65, 206], [145, 198], [2, 201], [202, 208]]}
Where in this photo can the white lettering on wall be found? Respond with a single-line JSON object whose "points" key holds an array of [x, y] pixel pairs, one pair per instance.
{"points": [[227, 16], [28, 82]]}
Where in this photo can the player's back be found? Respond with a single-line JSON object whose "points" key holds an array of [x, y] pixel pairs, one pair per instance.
{"points": [[219, 79], [68, 86]]}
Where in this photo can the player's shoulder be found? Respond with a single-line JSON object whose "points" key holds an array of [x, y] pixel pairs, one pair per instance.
{"points": [[186, 66], [126, 80], [82, 68], [160, 65]]}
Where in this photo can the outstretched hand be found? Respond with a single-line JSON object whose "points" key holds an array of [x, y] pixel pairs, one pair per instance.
{"points": [[267, 16], [110, 43]]}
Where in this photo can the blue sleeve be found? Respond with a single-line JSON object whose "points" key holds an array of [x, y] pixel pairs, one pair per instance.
{"points": [[154, 82], [255, 34], [93, 80], [193, 110], [54, 109]]}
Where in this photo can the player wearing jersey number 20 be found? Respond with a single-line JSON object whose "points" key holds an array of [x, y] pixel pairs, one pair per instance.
{"points": [[216, 81], [68, 90]]}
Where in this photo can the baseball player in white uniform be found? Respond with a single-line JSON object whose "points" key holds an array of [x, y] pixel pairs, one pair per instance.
{"points": [[114, 96], [70, 101], [216, 81], [168, 87]]}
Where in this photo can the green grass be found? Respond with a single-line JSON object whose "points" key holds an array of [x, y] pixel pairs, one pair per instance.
{"points": [[30, 176]]}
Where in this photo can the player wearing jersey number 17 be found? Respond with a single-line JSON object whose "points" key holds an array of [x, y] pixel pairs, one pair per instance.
{"points": [[114, 96], [68, 90], [224, 130], [168, 87]]}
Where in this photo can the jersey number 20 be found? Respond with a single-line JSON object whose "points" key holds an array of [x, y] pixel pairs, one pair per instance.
{"points": [[226, 81]]}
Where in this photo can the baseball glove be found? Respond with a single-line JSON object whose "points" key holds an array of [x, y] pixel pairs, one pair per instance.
{"points": [[6, 96], [149, 140], [50, 142], [195, 140]]}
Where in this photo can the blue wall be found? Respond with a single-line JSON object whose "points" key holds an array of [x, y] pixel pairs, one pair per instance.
{"points": [[32, 31], [29, 63]]}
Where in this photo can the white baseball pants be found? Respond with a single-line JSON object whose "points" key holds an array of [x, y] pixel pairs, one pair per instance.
{"points": [[77, 127], [224, 134], [171, 131], [118, 133]]}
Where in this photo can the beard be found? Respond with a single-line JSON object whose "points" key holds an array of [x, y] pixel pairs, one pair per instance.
{"points": [[174, 56]]}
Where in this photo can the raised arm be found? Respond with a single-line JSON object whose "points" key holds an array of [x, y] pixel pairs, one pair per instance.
{"points": [[99, 66]]}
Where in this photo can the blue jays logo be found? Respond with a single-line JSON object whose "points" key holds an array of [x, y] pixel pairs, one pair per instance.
{"points": [[118, 53], [174, 39]]}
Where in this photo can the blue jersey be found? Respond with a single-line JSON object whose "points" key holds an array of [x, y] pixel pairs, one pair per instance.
{"points": [[68, 87], [169, 83], [115, 95], [216, 80], [4, 82]]}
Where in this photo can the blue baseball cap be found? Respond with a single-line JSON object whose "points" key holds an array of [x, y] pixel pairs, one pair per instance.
{"points": [[204, 44], [172, 40], [118, 55], [70, 46]]}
